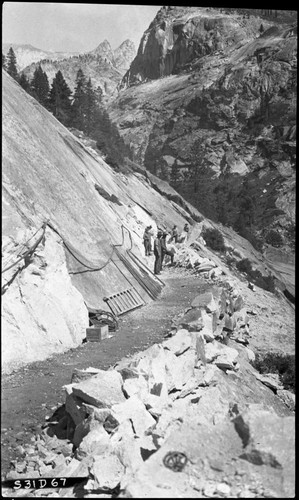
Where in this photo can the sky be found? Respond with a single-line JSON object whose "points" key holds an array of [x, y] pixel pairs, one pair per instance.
{"points": [[74, 27]]}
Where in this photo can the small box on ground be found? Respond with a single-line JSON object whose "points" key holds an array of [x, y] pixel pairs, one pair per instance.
{"points": [[97, 333]]}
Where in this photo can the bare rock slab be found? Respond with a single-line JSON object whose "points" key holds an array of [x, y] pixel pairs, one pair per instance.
{"points": [[102, 390]]}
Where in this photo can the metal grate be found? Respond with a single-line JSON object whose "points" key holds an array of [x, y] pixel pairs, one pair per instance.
{"points": [[123, 302]]}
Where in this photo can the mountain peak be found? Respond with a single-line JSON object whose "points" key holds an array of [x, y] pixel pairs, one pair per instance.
{"points": [[127, 43], [103, 45], [104, 50], [124, 55]]}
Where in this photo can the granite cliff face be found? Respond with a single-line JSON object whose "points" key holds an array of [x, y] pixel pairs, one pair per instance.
{"points": [[60, 194], [209, 103]]}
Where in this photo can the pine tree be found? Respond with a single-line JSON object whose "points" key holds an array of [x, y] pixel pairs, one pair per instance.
{"points": [[24, 82], [59, 99], [12, 64], [79, 101], [175, 173], [40, 86], [90, 108], [4, 62], [98, 94]]}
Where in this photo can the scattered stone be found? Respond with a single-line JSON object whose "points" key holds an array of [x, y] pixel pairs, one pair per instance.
{"points": [[241, 340], [223, 489], [250, 355], [20, 450]]}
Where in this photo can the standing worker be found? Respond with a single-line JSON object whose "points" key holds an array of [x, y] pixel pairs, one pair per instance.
{"points": [[165, 251], [186, 229], [158, 253], [147, 240], [151, 234], [174, 234]]}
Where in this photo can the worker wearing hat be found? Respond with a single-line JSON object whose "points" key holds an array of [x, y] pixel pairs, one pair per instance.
{"points": [[158, 252], [165, 250]]}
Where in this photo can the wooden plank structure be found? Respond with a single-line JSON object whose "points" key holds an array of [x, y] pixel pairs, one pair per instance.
{"points": [[124, 301], [97, 333]]}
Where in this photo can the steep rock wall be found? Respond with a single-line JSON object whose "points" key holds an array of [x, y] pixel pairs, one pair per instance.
{"points": [[223, 129], [49, 176], [178, 35]]}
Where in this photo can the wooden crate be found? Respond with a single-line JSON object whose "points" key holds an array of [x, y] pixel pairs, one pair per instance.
{"points": [[97, 333]]}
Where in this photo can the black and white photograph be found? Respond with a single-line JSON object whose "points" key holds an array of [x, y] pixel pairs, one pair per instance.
{"points": [[148, 250]]}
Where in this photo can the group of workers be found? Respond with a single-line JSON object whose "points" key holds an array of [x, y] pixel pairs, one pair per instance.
{"points": [[160, 246]]}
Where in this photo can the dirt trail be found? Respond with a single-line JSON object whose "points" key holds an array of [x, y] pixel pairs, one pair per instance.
{"points": [[31, 394]]}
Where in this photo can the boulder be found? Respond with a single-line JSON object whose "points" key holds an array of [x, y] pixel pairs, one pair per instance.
{"points": [[192, 320], [83, 428], [215, 350], [179, 343], [74, 406], [136, 386], [270, 380], [250, 355], [155, 405], [79, 375], [198, 341], [216, 272], [99, 414], [193, 441], [208, 326], [126, 446], [238, 303], [134, 410], [179, 369], [152, 366], [207, 375], [94, 443], [127, 372], [229, 322], [241, 317], [288, 398], [102, 390], [269, 440], [106, 471], [206, 301]]}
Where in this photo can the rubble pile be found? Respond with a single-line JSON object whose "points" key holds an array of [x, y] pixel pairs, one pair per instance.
{"points": [[176, 420], [197, 258]]}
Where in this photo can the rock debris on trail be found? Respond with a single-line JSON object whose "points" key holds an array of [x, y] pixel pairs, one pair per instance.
{"points": [[187, 417]]}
